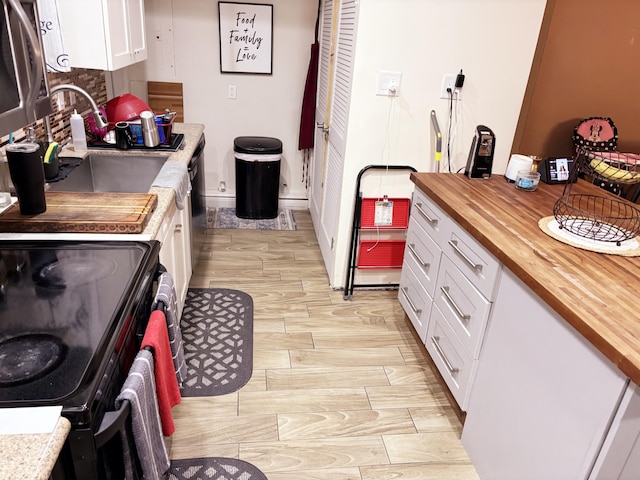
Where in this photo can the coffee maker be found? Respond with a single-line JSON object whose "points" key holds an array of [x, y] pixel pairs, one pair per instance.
{"points": [[481, 154]]}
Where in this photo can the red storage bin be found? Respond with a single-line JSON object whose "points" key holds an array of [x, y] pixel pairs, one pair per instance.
{"points": [[400, 214], [381, 254]]}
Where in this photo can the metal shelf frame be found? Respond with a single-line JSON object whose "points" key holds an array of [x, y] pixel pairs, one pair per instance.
{"points": [[349, 283]]}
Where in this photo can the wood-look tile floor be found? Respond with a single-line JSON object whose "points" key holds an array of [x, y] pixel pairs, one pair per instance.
{"points": [[340, 389]]}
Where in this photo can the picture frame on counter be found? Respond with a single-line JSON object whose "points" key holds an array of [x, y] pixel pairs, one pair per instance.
{"points": [[246, 38], [555, 169]]}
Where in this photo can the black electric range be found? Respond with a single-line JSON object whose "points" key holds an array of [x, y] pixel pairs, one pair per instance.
{"points": [[72, 315]]}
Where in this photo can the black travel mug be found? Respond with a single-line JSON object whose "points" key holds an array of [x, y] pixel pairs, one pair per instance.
{"points": [[124, 136], [27, 175]]}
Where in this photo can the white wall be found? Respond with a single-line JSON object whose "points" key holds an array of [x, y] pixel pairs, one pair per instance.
{"points": [[266, 105], [493, 41]]}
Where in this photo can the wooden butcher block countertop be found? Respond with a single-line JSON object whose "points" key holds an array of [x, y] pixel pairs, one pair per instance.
{"points": [[84, 212], [598, 294]]}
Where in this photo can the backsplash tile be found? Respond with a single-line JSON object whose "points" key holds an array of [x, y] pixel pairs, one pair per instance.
{"points": [[93, 81]]}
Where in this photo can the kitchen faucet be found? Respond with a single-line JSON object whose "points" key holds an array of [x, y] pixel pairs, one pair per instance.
{"points": [[100, 120]]}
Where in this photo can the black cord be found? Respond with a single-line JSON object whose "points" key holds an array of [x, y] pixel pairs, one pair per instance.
{"points": [[449, 133]]}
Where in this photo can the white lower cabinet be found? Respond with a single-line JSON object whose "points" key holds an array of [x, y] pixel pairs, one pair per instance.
{"points": [[175, 252], [543, 397], [446, 286], [542, 402], [619, 458], [447, 352], [415, 300]]}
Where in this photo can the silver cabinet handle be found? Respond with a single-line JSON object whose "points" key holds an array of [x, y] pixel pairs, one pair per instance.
{"points": [[426, 216], [436, 343], [454, 305], [417, 311], [456, 248], [412, 249]]}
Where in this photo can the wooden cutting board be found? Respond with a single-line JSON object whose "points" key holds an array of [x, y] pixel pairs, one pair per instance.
{"points": [[161, 95], [84, 212]]}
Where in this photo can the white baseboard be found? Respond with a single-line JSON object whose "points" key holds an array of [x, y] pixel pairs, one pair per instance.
{"points": [[228, 202]]}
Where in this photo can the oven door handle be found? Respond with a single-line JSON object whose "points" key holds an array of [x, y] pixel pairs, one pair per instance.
{"points": [[112, 423]]}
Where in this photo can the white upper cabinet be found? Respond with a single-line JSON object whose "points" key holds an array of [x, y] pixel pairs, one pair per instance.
{"points": [[104, 34]]}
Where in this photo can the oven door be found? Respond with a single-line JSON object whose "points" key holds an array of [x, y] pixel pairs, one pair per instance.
{"points": [[96, 451], [25, 96]]}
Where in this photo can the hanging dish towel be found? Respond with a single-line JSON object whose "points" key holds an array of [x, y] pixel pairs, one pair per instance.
{"points": [[168, 296], [139, 390], [174, 175], [167, 390], [53, 43]]}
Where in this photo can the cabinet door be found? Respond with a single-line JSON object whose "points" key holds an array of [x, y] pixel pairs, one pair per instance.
{"points": [[116, 32], [431, 218], [543, 396], [104, 34], [423, 255], [168, 250], [415, 300], [464, 307], [619, 458], [137, 30], [175, 252], [125, 32], [447, 352], [182, 248]]}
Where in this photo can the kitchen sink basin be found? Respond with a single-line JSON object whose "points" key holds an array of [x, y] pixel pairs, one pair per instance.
{"points": [[112, 173]]}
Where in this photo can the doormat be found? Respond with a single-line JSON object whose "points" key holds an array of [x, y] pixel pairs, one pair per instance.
{"points": [[213, 468], [224, 217], [217, 332]]}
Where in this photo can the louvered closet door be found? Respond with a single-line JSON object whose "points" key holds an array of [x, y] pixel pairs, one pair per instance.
{"points": [[338, 33]]}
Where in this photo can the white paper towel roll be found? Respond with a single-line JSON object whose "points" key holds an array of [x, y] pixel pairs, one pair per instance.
{"points": [[517, 162]]}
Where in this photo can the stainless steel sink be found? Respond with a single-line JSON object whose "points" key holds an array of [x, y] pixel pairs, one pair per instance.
{"points": [[112, 173]]}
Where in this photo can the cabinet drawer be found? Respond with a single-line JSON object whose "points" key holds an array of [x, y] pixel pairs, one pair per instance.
{"points": [[475, 261], [423, 256], [415, 300], [455, 365], [431, 217], [464, 307]]}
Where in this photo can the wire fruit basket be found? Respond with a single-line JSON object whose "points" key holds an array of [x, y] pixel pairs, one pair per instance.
{"points": [[595, 217]]}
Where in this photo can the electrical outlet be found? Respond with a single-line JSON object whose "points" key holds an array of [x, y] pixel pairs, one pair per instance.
{"points": [[388, 84], [448, 81]]}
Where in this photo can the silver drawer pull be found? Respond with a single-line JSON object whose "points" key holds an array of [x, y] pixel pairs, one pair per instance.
{"points": [[432, 221], [436, 343], [454, 305], [417, 311], [454, 245], [412, 249]]}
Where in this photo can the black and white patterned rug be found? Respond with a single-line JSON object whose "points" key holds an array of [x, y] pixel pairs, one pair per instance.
{"points": [[225, 218], [213, 469], [217, 331]]}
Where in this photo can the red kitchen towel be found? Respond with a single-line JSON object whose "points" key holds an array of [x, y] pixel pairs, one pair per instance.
{"points": [[167, 390]]}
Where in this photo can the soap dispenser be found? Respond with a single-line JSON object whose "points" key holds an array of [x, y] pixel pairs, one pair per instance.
{"points": [[77, 132]]}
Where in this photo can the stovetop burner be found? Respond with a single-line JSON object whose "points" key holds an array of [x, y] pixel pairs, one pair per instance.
{"points": [[74, 271], [28, 357]]}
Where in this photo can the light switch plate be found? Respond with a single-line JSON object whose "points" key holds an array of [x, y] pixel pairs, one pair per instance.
{"points": [[388, 83], [232, 92]]}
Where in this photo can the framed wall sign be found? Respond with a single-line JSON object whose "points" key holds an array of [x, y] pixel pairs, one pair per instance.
{"points": [[246, 37]]}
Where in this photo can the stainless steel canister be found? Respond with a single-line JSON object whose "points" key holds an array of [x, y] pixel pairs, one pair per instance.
{"points": [[150, 135]]}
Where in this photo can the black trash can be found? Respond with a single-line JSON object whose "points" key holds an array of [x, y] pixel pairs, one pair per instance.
{"points": [[257, 176]]}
